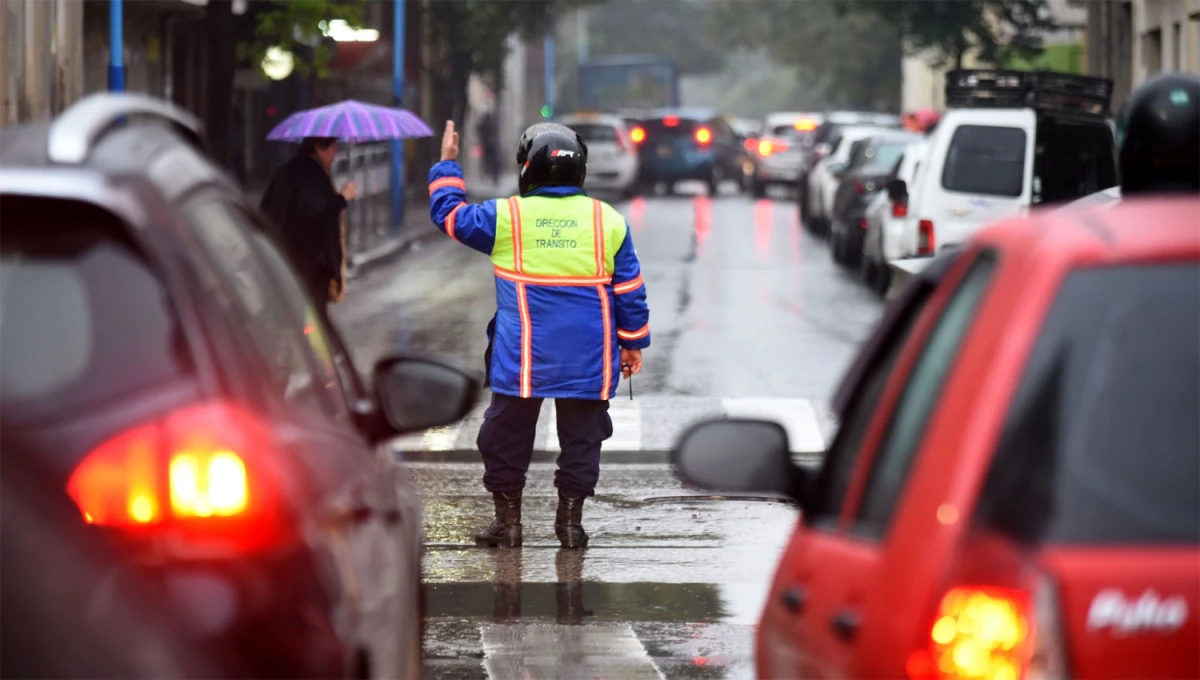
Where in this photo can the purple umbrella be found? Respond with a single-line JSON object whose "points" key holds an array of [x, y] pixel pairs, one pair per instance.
{"points": [[351, 121]]}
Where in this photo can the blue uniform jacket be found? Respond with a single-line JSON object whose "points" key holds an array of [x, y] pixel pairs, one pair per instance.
{"points": [[549, 341]]}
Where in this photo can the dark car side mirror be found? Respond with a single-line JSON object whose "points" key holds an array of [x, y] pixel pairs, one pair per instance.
{"points": [[417, 394], [732, 455], [897, 191]]}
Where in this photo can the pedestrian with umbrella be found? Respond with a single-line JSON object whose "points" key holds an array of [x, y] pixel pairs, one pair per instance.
{"points": [[304, 207]]}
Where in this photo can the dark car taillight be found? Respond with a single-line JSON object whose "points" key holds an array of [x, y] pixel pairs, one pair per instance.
{"points": [[899, 209], [202, 480]]}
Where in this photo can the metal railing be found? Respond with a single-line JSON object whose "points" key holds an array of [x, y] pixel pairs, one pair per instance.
{"points": [[368, 219]]}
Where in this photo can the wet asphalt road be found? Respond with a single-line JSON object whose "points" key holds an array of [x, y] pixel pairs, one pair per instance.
{"points": [[749, 316]]}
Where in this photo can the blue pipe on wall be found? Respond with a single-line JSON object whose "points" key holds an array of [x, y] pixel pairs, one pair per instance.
{"points": [[398, 90], [116, 46]]}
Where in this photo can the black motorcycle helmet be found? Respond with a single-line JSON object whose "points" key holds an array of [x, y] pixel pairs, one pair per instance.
{"points": [[1159, 131], [551, 155]]}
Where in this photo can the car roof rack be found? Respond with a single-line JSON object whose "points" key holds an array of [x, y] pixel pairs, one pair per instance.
{"points": [[82, 125], [1047, 91]]}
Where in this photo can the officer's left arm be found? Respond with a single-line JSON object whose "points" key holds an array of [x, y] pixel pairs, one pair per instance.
{"points": [[633, 314], [472, 224]]}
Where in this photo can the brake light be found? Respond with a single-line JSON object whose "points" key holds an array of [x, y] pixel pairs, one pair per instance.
{"points": [[703, 135], [805, 125], [203, 477], [925, 239], [769, 146], [978, 632], [859, 188], [899, 210], [671, 121], [864, 224], [638, 135], [751, 144]]}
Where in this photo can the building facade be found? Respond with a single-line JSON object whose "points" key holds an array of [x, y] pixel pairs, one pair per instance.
{"points": [[1132, 40]]}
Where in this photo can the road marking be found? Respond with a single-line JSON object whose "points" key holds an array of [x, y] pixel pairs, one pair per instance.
{"points": [[650, 423], [542, 650], [797, 416]]}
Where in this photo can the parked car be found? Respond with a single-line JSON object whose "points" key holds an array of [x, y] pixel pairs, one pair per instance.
{"points": [[981, 511], [825, 176], [1011, 141], [865, 176], [889, 236], [817, 146], [163, 361], [676, 145], [612, 155], [779, 150]]}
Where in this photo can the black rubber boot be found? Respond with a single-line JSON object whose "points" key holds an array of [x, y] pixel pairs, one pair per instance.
{"points": [[568, 522], [505, 530]]}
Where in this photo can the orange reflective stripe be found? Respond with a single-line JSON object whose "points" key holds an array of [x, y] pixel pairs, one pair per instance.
{"points": [[628, 286], [598, 236], [634, 335], [526, 343], [551, 280], [604, 309], [518, 258], [444, 182], [450, 221]]}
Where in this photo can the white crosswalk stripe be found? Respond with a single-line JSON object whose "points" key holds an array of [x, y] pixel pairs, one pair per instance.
{"points": [[650, 423], [550, 651]]}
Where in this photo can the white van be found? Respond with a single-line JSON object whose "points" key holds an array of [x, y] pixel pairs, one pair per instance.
{"points": [[1011, 141]]}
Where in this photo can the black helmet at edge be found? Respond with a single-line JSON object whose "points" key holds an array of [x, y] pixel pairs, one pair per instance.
{"points": [[550, 155], [1160, 136]]}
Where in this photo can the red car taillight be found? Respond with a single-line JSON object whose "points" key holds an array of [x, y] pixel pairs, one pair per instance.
{"points": [[899, 210], [978, 632], [925, 240], [202, 477], [703, 136], [751, 144], [769, 146], [638, 135]]}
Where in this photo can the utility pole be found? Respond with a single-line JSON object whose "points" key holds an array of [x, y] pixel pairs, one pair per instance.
{"points": [[116, 46], [398, 91]]}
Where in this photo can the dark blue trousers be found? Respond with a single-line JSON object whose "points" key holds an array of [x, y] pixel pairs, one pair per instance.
{"points": [[507, 437]]}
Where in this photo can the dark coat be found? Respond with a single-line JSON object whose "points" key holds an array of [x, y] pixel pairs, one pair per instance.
{"points": [[305, 211]]}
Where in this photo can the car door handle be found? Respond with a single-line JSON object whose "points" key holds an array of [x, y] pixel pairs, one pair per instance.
{"points": [[794, 599], [846, 623]]}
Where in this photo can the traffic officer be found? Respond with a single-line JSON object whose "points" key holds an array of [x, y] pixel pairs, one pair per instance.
{"points": [[571, 318], [1160, 137]]}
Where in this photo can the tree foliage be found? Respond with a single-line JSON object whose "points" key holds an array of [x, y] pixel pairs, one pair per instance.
{"points": [[849, 59], [296, 26], [950, 29]]}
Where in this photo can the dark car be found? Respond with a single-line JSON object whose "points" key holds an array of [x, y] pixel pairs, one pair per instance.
{"points": [[167, 369], [817, 145], [677, 145], [871, 163]]}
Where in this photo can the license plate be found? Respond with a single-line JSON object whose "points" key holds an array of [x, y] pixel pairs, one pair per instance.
{"points": [[664, 151]]}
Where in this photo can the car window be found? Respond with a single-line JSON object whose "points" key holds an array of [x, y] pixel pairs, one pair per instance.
{"points": [[922, 388], [276, 341], [884, 159], [330, 364], [985, 159], [1102, 445], [592, 133], [84, 318], [830, 489], [1072, 161]]}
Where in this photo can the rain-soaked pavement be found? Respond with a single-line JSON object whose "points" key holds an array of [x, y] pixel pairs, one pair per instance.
{"points": [[749, 317]]}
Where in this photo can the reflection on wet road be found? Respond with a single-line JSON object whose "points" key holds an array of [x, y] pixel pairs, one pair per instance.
{"points": [[749, 318]]}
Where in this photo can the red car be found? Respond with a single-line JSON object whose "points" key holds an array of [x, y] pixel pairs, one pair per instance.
{"points": [[1015, 487]]}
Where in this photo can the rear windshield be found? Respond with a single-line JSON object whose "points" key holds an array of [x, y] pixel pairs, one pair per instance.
{"points": [[1102, 443], [985, 159], [83, 318], [659, 128], [1072, 161], [596, 133], [883, 159]]}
